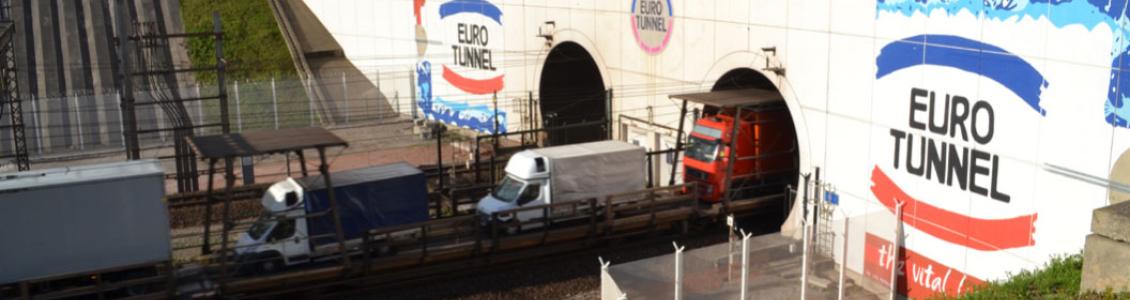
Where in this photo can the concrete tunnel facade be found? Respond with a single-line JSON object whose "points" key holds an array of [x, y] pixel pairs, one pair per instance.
{"points": [[984, 118]]}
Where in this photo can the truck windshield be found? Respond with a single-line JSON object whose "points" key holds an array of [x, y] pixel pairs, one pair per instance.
{"points": [[260, 227], [701, 149], [508, 189]]}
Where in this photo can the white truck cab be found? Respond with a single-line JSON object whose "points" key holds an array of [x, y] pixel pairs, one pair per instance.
{"points": [[280, 234], [565, 173], [526, 184]]}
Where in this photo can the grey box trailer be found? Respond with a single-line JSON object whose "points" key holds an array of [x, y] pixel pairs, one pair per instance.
{"points": [[594, 170], [83, 219]]}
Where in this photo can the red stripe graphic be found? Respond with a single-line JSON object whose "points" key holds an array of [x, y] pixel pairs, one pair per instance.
{"points": [[974, 233], [416, 5], [473, 86]]}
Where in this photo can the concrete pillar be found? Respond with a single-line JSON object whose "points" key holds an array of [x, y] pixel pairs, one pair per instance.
{"points": [[1106, 254]]}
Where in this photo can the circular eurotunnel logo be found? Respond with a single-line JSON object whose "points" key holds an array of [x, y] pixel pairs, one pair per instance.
{"points": [[652, 24]]}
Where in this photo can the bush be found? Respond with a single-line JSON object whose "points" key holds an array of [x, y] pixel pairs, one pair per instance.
{"points": [[253, 46], [1059, 279]]}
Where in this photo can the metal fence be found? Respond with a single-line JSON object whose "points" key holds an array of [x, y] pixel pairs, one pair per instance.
{"points": [[85, 123], [786, 265]]}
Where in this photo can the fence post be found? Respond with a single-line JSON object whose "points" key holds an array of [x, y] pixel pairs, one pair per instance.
{"points": [[678, 271], [121, 122], [730, 248], [310, 99], [39, 128], [238, 113], [199, 112], [275, 102], [745, 265], [345, 96], [78, 123], [804, 251]]}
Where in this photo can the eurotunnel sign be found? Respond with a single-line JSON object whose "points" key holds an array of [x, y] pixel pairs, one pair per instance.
{"points": [[964, 123], [456, 80], [942, 137], [653, 21]]}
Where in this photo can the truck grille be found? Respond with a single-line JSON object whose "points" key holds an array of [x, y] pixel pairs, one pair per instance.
{"points": [[697, 174]]}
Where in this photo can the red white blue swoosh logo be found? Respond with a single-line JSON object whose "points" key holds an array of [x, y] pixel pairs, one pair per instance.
{"points": [[990, 61], [486, 10]]}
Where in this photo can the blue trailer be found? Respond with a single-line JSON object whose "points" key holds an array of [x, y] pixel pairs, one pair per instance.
{"points": [[298, 225]]}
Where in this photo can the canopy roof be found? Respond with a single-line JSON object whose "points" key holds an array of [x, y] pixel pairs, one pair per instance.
{"points": [[264, 142]]}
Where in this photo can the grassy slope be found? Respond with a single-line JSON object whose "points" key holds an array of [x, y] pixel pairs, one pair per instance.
{"points": [[253, 46], [1059, 279]]}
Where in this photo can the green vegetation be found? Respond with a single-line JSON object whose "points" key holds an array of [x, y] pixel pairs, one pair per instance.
{"points": [[253, 46], [1059, 279], [255, 52]]}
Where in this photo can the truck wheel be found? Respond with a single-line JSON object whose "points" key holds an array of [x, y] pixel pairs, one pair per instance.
{"points": [[512, 230], [269, 264]]}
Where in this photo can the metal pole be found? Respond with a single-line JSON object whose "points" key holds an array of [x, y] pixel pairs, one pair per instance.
{"points": [[311, 101], [745, 266], [608, 113], [345, 96], [437, 131], [78, 123], [534, 118], [843, 258], [325, 170], [678, 142], [206, 248], [121, 123], [678, 271], [199, 112], [804, 255], [275, 102], [221, 86], [895, 244], [129, 116], [238, 113], [228, 225], [494, 151], [731, 160], [730, 249], [39, 128]]}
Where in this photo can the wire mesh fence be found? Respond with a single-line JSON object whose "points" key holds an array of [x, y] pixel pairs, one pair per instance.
{"points": [[772, 266], [63, 125]]}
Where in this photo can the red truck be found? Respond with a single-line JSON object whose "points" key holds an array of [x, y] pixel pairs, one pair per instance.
{"points": [[764, 151]]}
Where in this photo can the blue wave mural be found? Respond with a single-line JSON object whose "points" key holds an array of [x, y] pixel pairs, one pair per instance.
{"points": [[951, 51], [1060, 13], [476, 117]]}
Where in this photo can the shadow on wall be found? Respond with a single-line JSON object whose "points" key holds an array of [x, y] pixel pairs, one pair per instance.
{"points": [[336, 82]]}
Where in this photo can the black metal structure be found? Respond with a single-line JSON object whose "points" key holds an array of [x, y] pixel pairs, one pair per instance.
{"points": [[9, 89], [153, 58]]}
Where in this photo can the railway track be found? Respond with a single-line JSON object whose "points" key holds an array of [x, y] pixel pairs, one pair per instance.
{"points": [[455, 245]]}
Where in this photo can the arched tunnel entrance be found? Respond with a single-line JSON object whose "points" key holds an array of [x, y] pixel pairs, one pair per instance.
{"points": [[772, 145], [572, 93]]}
